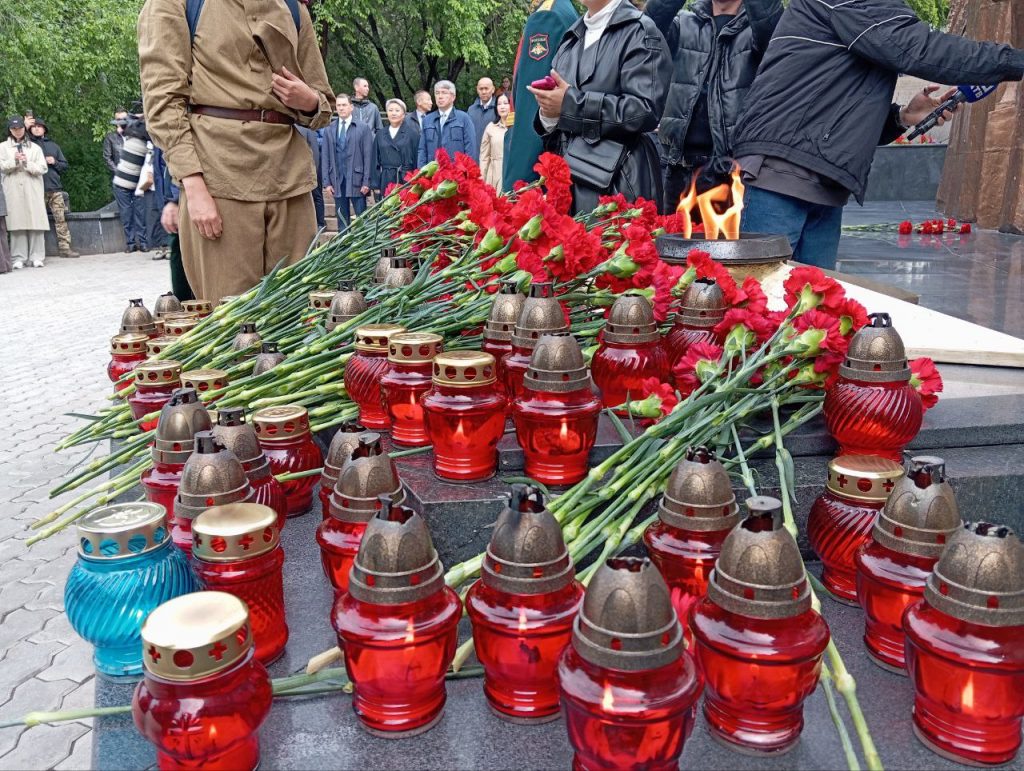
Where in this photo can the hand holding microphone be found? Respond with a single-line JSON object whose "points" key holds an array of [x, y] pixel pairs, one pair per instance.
{"points": [[925, 112]]}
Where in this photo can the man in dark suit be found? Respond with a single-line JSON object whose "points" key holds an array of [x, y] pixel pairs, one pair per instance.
{"points": [[347, 161], [315, 139], [448, 128]]}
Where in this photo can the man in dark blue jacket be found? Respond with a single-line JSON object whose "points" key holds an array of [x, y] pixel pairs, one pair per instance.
{"points": [[347, 161], [716, 48], [448, 128], [484, 109], [822, 102]]}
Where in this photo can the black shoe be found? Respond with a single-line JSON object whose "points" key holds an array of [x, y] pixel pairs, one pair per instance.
{"points": [[143, 248]]}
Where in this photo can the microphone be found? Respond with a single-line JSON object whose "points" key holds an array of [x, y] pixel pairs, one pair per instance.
{"points": [[963, 95]]}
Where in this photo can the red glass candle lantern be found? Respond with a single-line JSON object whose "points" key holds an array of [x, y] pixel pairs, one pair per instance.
{"points": [[398, 626], [268, 358], [628, 690], [205, 382], [541, 315], [365, 369], [212, 476], [380, 270], [522, 609], [907, 540], [240, 438], [696, 513], [204, 694], [285, 438], [965, 648], [237, 549], [758, 642], [872, 409], [136, 318], [841, 518], [411, 356], [369, 474], [556, 414], [465, 416], [156, 380], [399, 273], [246, 343], [127, 351], [202, 308], [344, 441], [501, 322], [166, 304], [180, 420], [701, 307], [629, 353], [346, 304]]}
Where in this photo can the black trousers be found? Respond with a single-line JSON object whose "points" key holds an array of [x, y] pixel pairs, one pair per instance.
{"points": [[677, 182]]}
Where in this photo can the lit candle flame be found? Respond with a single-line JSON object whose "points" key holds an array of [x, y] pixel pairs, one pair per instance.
{"points": [[410, 631], [563, 432], [968, 695], [522, 620], [608, 700]]}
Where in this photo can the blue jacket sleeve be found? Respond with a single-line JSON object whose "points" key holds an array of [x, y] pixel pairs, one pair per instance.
{"points": [[472, 141], [421, 152]]}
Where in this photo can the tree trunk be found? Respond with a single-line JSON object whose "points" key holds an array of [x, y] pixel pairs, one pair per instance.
{"points": [[983, 179]]}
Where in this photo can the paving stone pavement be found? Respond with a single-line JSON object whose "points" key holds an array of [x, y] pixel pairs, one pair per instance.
{"points": [[53, 353]]}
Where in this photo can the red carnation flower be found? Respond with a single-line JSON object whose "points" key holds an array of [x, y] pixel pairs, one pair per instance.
{"points": [[926, 379], [686, 374], [706, 267], [906, 227], [965, 228], [821, 334], [555, 172], [807, 287]]}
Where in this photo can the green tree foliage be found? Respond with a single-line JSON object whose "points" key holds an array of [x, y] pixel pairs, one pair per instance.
{"points": [[73, 62], [405, 46]]}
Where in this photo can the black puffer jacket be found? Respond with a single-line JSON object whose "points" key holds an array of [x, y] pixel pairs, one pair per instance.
{"points": [[610, 106], [824, 90], [726, 61]]}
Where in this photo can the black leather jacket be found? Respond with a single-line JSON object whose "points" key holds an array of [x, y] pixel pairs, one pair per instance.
{"points": [[112, 144], [727, 62], [610, 107]]}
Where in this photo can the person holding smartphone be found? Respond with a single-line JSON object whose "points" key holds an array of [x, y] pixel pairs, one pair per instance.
{"points": [[23, 166]]}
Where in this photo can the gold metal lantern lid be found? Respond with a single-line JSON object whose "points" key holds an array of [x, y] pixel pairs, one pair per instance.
{"points": [[136, 318], [463, 369], [196, 635], [122, 530], [876, 353], [541, 315], [631, 321], [557, 365], [237, 531], [702, 305], [212, 476], [347, 303], [202, 308], [240, 438], [414, 347], [204, 380], [505, 309], [343, 444], [367, 475], [159, 344], [921, 514], [320, 299], [176, 327], [383, 265], [167, 303], [399, 273], [268, 358], [157, 372], [374, 338], [180, 420], [760, 572], [279, 424], [699, 494], [863, 477], [247, 341], [128, 343]]}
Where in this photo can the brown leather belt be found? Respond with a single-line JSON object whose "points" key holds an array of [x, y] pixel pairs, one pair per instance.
{"points": [[257, 116]]}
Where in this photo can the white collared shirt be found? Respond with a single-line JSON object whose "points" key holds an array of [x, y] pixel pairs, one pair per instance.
{"points": [[442, 117], [597, 23], [393, 130]]}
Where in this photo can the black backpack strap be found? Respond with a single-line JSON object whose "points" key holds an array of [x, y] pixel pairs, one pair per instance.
{"points": [[193, 9]]}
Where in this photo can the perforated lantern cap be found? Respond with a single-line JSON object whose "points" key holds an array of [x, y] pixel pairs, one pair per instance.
{"points": [[167, 303], [397, 562], [319, 299], [368, 474], [204, 380], [268, 358], [631, 321], [180, 420], [399, 273], [212, 476], [196, 635], [921, 514], [280, 424], [383, 265], [627, 620], [122, 530], [527, 554], [541, 315], [702, 305], [347, 303], [137, 318], [464, 369], [343, 443], [699, 494], [414, 347], [163, 373], [248, 340], [505, 309], [863, 477], [129, 343], [374, 338], [876, 353], [201, 308], [234, 532], [980, 576], [760, 573], [177, 325], [239, 437], [557, 365]]}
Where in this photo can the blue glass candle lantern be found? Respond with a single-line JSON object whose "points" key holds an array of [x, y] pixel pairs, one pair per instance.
{"points": [[127, 565]]}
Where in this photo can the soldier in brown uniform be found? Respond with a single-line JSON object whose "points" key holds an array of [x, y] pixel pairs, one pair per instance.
{"points": [[223, 106]]}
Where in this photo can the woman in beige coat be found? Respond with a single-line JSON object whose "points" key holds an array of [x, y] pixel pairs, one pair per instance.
{"points": [[492, 145], [23, 167]]}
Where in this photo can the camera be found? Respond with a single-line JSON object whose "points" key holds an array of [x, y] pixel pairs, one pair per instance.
{"points": [[133, 153]]}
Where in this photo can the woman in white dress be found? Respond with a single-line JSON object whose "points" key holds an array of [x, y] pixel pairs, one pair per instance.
{"points": [[23, 166]]}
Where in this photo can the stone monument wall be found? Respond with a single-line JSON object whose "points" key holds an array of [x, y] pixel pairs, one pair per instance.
{"points": [[983, 179]]}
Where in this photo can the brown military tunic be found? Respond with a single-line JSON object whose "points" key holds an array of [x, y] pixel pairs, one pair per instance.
{"points": [[260, 174]]}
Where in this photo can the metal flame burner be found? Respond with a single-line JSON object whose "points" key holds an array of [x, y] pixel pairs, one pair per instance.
{"points": [[750, 249]]}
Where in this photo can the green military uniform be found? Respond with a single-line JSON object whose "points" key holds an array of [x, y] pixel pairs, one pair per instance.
{"points": [[544, 30]]}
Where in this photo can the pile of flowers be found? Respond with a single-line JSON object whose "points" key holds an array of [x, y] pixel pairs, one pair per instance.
{"points": [[934, 227]]}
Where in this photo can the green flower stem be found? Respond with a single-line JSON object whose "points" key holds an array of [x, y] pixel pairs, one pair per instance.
{"points": [[102, 500], [134, 471]]}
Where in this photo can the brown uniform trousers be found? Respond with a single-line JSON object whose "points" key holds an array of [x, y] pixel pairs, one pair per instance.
{"points": [[257, 235], [55, 203]]}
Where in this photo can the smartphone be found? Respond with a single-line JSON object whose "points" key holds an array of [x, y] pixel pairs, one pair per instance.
{"points": [[547, 83]]}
